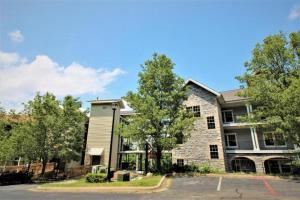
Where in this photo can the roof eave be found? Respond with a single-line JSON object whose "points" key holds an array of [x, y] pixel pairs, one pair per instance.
{"points": [[108, 101], [203, 86]]}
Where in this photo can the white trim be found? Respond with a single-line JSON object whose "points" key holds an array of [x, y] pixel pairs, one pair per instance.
{"points": [[273, 137], [258, 151], [223, 116], [239, 124], [140, 151], [236, 141], [203, 86]]}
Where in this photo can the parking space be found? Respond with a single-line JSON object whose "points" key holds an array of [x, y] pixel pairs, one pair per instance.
{"points": [[234, 188]]}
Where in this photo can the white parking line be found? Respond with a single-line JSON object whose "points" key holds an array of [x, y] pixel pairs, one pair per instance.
{"points": [[219, 184]]}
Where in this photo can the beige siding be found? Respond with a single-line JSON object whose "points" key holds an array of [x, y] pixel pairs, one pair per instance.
{"points": [[99, 133]]}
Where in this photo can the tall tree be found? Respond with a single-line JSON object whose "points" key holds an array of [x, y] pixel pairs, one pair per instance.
{"points": [[72, 130], [23, 143], [161, 117], [45, 114], [272, 83], [7, 123]]}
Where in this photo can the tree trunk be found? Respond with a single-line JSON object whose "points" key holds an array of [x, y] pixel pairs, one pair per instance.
{"points": [[158, 159], [57, 167], [19, 161], [28, 167], [4, 166], [45, 160]]}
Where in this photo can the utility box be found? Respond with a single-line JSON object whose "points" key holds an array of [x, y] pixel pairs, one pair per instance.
{"points": [[124, 176]]}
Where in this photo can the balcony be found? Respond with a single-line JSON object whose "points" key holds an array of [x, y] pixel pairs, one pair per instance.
{"points": [[242, 141], [231, 120]]}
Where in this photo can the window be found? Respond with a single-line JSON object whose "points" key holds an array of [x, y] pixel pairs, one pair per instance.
{"points": [[230, 140], [214, 151], [227, 116], [273, 140], [211, 122], [180, 162], [195, 110]]}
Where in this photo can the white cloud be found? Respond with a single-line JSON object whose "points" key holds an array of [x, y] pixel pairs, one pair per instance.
{"points": [[21, 79], [16, 36], [295, 12], [10, 59]]}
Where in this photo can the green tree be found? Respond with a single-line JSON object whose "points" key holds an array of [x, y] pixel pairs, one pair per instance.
{"points": [[23, 143], [6, 125], [72, 130], [45, 124], [161, 117], [272, 83]]}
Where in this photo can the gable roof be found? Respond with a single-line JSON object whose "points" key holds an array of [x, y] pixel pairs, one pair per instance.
{"points": [[203, 86], [232, 95]]}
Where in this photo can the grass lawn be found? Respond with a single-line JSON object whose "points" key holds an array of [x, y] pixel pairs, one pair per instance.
{"points": [[146, 181]]}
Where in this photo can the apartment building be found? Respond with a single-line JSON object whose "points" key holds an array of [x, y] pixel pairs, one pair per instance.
{"points": [[219, 137]]}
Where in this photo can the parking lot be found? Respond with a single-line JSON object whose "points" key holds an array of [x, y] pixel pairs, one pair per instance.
{"points": [[203, 187], [234, 188]]}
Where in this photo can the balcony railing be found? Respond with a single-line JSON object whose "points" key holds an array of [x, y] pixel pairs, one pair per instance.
{"points": [[259, 151]]}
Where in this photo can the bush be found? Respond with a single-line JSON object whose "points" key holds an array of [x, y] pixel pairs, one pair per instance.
{"points": [[206, 169], [95, 178], [203, 169]]}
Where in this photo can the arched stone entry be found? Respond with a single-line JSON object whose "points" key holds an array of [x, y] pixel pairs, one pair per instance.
{"points": [[243, 164], [277, 165]]}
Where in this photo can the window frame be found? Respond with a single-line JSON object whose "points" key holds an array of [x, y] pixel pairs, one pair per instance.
{"points": [[210, 123], [227, 143], [215, 151], [224, 117], [274, 139], [192, 110], [177, 162]]}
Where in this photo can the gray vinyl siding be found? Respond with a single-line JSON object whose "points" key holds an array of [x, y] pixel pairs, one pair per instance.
{"points": [[263, 147], [243, 138], [237, 111]]}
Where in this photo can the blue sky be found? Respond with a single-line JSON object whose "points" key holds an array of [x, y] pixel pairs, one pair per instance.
{"points": [[94, 48]]}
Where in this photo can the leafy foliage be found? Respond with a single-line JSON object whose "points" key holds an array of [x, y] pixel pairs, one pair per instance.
{"points": [[95, 178], [50, 130], [202, 169], [161, 118], [272, 81]]}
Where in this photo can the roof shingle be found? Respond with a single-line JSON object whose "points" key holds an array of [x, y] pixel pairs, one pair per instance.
{"points": [[232, 95]]}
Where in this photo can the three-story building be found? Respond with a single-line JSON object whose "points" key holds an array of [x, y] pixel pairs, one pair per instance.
{"points": [[220, 138]]}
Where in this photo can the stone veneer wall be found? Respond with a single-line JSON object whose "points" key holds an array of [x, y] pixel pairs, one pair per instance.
{"points": [[196, 148]]}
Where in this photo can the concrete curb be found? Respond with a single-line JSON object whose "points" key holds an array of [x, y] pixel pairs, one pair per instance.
{"points": [[163, 184]]}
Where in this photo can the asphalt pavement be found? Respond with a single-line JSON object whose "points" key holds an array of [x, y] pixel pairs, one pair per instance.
{"points": [[193, 188]]}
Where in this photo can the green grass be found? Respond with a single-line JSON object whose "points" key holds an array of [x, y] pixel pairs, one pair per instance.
{"points": [[146, 181]]}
